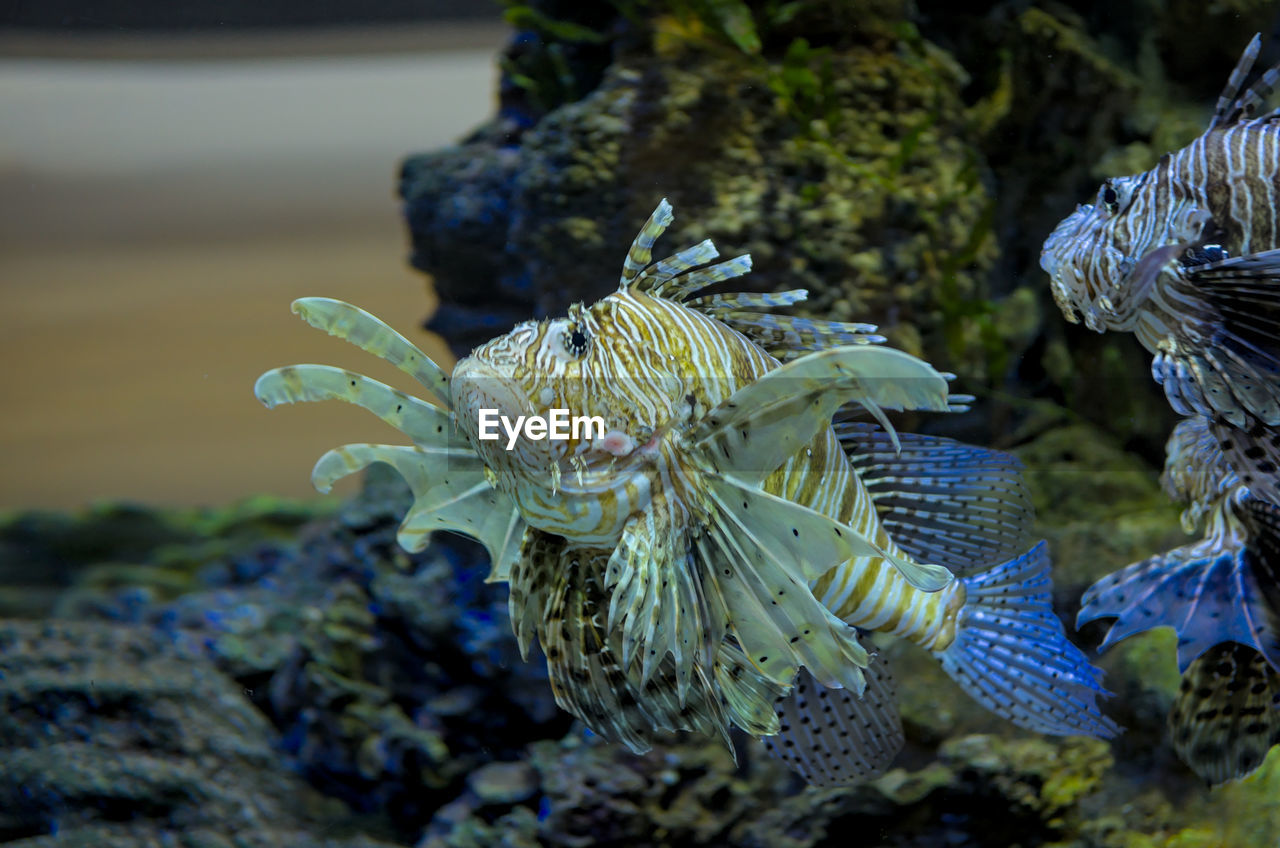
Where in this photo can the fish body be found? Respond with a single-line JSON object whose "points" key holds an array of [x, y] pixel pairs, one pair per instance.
{"points": [[722, 539], [1186, 257]]}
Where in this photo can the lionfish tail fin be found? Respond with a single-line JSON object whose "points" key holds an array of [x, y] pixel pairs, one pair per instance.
{"points": [[1227, 713], [833, 737], [1011, 654], [1207, 597]]}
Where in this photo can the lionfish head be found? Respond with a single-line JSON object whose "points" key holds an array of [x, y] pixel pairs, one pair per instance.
{"points": [[606, 387], [1087, 255]]}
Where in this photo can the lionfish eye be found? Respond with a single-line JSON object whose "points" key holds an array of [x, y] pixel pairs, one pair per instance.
{"points": [[1110, 199], [575, 341]]}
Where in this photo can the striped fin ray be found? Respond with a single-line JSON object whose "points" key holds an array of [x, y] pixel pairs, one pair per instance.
{"points": [[371, 334], [1227, 713], [531, 577], [763, 424], [789, 337], [1206, 597], [733, 691], [652, 604], [1222, 356], [586, 677], [1259, 92], [1229, 107], [1247, 104], [590, 681], [943, 502], [773, 615], [718, 304], [424, 423], [833, 737], [654, 277], [678, 288], [765, 569], [642, 246], [1012, 656], [449, 491]]}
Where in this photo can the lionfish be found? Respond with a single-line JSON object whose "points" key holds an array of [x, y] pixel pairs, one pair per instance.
{"points": [[1222, 597], [712, 558], [1184, 256]]}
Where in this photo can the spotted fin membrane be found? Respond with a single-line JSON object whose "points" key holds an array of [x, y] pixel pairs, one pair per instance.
{"points": [[1227, 713], [834, 737]]}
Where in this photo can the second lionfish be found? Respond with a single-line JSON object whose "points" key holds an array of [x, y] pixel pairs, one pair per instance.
{"points": [[1184, 256], [711, 558]]}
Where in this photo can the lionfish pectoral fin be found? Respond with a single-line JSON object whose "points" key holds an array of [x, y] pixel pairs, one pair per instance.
{"points": [[450, 493], [1252, 452], [941, 501], [1225, 719], [371, 334], [564, 596], [760, 580], [1223, 357], [1011, 654], [654, 603], [582, 661], [425, 423], [808, 542], [834, 737], [762, 424], [748, 695], [1262, 518]]}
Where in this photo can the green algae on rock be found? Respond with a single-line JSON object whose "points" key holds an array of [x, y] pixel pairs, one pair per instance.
{"points": [[842, 166]]}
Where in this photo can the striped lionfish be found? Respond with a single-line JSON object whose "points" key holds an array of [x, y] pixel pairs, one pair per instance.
{"points": [[1222, 597], [709, 559], [1184, 256]]}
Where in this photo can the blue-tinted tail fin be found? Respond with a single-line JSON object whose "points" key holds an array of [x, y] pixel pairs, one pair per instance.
{"points": [[1208, 594], [1012, 655]]}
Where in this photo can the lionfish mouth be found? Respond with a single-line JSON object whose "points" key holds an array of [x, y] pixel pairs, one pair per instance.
{"points": [[483, 398], [1058, 259]]}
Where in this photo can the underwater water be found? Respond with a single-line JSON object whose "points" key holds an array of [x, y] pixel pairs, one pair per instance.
{"points": [[196, 649]]}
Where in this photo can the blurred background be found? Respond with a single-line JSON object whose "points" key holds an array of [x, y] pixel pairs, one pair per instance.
{"points": [[172, 176]]}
